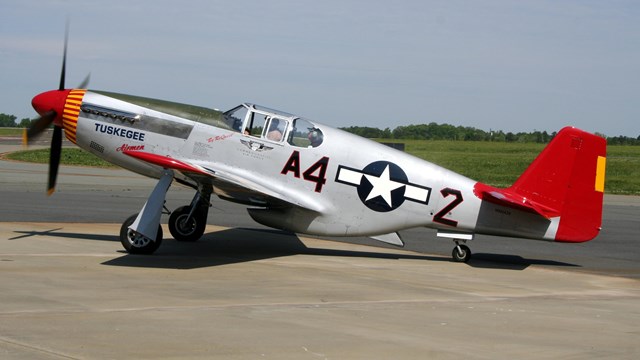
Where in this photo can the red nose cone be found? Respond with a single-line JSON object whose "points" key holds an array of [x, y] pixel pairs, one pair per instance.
{"points": [[51, 100]]}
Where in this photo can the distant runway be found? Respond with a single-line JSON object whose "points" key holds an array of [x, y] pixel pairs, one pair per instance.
{"points": [[91, 195]]}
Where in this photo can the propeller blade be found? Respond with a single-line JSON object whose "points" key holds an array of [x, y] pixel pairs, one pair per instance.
{"points": [[85, 82], [39, 126], [41, 103], [54, 159], [64, 57]]}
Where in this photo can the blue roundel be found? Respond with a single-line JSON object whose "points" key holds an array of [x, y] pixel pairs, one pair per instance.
{"points": [[382, 186]]}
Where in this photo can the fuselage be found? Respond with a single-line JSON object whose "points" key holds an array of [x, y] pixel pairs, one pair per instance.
{"points": [[356, 186]]}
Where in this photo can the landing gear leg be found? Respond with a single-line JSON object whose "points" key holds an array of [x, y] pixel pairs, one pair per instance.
{"points": [[187, 223], [142, 233]]}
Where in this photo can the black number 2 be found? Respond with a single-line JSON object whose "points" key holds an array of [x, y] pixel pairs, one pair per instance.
{"points": [[439, 217]]}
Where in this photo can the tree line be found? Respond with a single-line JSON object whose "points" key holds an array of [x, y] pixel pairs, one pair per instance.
{"points": [[435, 131], [431, 131], [7, 120]]}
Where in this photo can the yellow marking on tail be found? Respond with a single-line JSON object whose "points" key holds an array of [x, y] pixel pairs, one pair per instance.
{"points": [[600, 170]]}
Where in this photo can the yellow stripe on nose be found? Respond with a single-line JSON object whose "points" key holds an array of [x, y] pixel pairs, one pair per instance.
{"points": [[71, 112]]}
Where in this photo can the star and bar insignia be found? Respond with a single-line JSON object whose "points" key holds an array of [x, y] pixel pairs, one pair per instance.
{"points": [[382, 186]]}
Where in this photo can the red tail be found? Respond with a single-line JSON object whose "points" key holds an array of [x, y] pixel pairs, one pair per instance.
{"points": [[568, 176], [566, 180]]}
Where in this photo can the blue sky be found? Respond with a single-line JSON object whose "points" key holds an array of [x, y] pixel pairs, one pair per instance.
{"points": [[509, 65]]}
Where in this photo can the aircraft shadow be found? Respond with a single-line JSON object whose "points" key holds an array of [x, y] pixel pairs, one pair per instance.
{"points": [[55, 233], [240, 245], [510, 262]]}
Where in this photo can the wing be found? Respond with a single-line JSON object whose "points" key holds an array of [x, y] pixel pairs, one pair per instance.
{"points": [[229, 184]]}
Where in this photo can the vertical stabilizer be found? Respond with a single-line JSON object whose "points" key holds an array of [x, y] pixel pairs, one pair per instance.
{"points": [[568, 176]]}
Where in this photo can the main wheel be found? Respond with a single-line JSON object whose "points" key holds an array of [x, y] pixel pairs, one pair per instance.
{"points": [[461, 253], [135, 243], [183, 228]]}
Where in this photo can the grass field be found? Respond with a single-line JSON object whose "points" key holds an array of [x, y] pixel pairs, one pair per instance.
{"points": [[11, 131], [500, 164], [69, 156], [497, 164]]}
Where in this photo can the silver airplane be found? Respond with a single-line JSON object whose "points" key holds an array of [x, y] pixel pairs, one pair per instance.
{"points": [[302, 176]]}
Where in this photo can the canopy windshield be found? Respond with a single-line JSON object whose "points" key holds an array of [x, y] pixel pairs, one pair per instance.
{"points": [[273, 125]]}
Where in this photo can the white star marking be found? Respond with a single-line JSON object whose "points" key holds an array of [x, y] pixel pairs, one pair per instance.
{"points": [[382, 186]]}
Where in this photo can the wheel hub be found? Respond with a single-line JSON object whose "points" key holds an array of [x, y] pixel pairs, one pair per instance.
{"points": [[186, 224], [137, 240]]}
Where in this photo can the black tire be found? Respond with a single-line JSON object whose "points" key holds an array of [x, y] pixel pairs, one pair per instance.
{"points": [[190, 231], [135, 243], [462, 255]]}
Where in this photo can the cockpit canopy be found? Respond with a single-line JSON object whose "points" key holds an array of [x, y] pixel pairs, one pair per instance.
{"points": [[273, 125], [253, 120]]}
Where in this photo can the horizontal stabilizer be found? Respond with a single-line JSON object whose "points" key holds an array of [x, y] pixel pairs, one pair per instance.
{"points": [[509, 199]]}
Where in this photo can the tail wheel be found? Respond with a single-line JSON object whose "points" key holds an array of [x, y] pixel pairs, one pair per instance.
{"points": [[184, 227], [135, 243], [461, 253]]}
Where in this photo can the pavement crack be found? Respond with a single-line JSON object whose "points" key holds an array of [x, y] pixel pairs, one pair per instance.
{"points": [[36, 349]]}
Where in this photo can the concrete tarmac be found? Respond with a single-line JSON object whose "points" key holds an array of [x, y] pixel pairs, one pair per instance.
{"points": [[67, 290]]}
